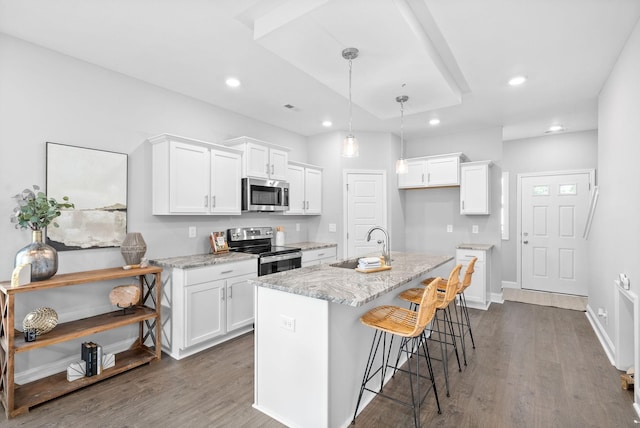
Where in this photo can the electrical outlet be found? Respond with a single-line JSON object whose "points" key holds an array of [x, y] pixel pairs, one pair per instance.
{"points": [[287, 323], [332, 227], [449, 228], [192, 231], [474, 228]]}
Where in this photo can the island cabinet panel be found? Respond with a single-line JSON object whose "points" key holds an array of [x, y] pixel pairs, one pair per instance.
{"points": [[193, 177], [310, 346], [206, 305], [17, 399]]}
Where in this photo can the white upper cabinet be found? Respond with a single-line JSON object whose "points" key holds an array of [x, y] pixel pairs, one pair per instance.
{"points": [[432, 171], [475, 188], [194, 177], [305, 189], [261, 159]]}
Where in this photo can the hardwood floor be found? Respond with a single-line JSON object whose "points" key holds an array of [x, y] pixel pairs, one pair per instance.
{"points": [[533, 366]]}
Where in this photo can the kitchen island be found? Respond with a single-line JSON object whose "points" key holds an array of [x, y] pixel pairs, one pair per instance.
{"points": [[310, 347]]}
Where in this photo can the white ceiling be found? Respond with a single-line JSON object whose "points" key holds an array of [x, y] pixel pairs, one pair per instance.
{"points": [[451, 57]]}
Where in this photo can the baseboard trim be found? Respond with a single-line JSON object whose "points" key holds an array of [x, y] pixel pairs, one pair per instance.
{"points": [[601, 334], [497, 298], [510, 284]]}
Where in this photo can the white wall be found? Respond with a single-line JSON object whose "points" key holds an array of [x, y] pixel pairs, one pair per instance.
{"points": [[615, 234], [429, 211], [567, 151], [46, 96], [378, 151]]}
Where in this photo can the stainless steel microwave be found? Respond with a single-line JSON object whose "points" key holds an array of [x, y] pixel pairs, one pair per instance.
{"points": [[264, 195]]}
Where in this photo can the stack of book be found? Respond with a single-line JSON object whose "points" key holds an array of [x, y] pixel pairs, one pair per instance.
{"points": [[92, 355]]}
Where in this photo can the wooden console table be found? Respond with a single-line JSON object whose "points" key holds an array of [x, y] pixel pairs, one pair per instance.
{"points": [[17, 399]]}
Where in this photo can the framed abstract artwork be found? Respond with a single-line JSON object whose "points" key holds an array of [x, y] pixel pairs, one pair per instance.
{"points": [[96, 182]]}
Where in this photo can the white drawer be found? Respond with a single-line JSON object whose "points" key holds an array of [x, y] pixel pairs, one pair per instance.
{"points": [[463, 256], [319, 254], [221, 271]]}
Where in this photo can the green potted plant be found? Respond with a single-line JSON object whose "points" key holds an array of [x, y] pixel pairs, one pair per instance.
{"points": [[35, 211]]}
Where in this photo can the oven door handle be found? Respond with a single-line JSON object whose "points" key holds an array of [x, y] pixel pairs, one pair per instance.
{"points": [[280, 257]]}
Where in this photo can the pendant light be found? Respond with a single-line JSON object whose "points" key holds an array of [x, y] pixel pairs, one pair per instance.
{"points": [[350, 143], [401, 164]]}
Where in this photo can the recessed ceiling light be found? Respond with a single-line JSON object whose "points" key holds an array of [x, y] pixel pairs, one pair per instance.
{"points": [[232, 82], [327, 123], [518, 80], [434, 122], [555, 128]]}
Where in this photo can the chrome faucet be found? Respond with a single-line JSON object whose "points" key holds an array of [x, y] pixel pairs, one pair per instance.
{"points": [[386, 249]]}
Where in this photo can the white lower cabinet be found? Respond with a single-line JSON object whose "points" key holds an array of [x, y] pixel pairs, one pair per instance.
{"points": [[319, 256], [207, 305], [478, 294]]}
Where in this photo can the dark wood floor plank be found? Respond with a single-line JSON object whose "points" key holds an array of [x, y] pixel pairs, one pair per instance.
{"points": [[533, 366]]}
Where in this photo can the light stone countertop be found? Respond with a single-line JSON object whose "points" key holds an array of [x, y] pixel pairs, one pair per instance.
{"points": [[200, 260], [306, 246], [348, 287], [483, 247]]}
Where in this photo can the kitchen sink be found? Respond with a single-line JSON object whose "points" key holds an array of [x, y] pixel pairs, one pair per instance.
{"points": [[346, 264]]}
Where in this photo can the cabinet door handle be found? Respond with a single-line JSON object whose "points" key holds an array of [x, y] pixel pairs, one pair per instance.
{"points": [[206, 201], [525, 242], [213, 201], [462, 204], [224, 272], [272, 169], [302, 204], [320, 254], [266, 170], [423, 177], [231, 292], [307, 204]]}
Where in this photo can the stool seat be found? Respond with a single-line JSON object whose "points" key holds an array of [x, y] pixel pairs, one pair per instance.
{"points": [[394, 319]]}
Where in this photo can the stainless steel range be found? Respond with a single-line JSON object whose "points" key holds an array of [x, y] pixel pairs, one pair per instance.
{"points": [[257, 240]]}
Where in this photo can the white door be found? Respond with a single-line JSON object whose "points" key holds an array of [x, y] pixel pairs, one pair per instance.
{"points": [[366, 207], [553, 216]]}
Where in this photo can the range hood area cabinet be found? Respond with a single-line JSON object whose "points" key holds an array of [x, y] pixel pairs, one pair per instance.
{"points": [[261, 159], [192, 177], [432, 171], [475, 188], [305, 189]]}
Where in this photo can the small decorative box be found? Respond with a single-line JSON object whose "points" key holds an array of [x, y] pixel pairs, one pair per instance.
{"points": [[108, 360], [76, 370]]}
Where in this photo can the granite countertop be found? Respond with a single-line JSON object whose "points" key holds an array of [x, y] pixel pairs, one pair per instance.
{"points": [[306, 246], [348, 287], [483, 247], [200, 260]]}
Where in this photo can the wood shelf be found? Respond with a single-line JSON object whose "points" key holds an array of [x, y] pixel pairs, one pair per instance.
{"points": [[17, 399], [84, 327], [50, 387]]}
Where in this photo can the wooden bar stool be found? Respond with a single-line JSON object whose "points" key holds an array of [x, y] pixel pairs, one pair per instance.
{"points": [[410, 326], [444, 300]]}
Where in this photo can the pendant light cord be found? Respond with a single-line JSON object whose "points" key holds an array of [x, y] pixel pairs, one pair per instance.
{"points": [[401, 129], [350, 108]]}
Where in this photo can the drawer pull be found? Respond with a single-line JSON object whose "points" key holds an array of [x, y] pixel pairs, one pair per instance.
{"points": [[224, 272]]}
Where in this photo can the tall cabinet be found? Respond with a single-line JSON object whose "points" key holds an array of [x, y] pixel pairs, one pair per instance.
{"points": [[194, 177]]}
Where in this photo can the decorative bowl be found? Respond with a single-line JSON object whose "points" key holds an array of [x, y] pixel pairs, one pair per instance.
{"points": [[43, 320]]}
